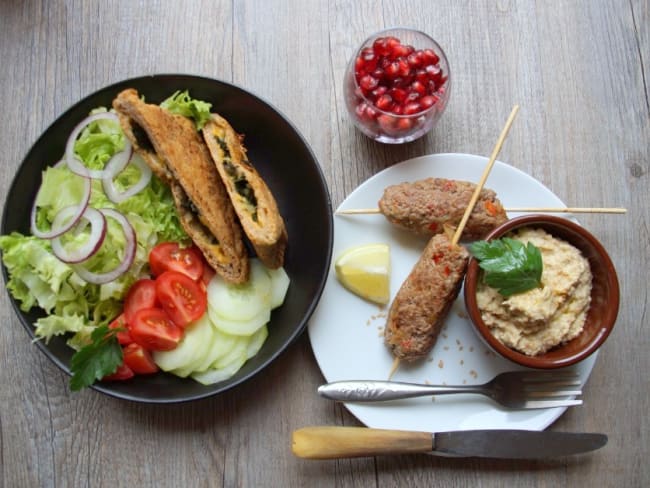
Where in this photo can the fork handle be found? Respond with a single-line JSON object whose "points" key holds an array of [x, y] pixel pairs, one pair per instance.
{"points": [[379, 391]]}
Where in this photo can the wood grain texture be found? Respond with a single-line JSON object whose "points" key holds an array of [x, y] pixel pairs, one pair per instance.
{"points": [[580, 71]]}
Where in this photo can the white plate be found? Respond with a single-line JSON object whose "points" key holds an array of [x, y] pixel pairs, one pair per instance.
{"points": [[346, 331]]}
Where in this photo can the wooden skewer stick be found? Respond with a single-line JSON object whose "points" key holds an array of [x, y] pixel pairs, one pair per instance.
{"points": [[605, 210], [486, 173], [475, 195]]}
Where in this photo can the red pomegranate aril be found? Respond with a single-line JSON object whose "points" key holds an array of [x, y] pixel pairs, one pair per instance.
{"points": [[391, 43], [412, 108], [411, 97], [404, 68], [392, 70], [360, 110], [368, 83], [404, 124], [379, 91], [398, 94], [398, 109], [414, 60], [430, 57], [418, 87], [400, 50], [380, 47], [427, 101], [386, 122], [371, 113], [384, 102], [433, 72]]}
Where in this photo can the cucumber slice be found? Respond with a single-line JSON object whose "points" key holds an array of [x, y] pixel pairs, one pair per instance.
{"points": [[192, 348], [215, 375], [221, 345], [245, 301], [279, 286], [236, 351], [237, 327], [256, 342]]}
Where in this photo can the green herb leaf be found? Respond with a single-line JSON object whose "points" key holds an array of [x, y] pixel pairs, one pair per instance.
{"points": [[509, 265], [94, 361], [182, 104]]}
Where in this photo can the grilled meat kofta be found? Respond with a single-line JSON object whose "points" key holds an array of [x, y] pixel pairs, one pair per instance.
{"points": [[425, 206], [424, 299]]}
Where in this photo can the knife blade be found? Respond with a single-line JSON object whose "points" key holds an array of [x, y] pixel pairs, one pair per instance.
{"points": [[343, 442]]}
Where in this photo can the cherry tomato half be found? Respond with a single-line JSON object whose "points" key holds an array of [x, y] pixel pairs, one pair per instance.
{"points": [[153, 329], [123, 372], [123, 336], [169, 256], [142, 294], [181, 297], [139, 359]]}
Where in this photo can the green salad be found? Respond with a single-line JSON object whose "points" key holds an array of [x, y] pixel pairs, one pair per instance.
{"points": [[38, 278]]}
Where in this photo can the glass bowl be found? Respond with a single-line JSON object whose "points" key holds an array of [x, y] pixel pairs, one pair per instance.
{"points": [[397, 85]]}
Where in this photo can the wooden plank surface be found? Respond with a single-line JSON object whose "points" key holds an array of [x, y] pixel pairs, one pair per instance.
{"points": [[579, 70]]}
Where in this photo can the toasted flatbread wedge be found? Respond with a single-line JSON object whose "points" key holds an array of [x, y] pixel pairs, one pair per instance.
{"points": [[253, 201], [177, 154]]}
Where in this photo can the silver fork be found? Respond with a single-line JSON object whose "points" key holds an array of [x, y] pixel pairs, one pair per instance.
{"points": [[516, 390]]}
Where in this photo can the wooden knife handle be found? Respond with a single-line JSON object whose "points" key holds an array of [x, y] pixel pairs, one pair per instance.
{"points": [[344, 442]]}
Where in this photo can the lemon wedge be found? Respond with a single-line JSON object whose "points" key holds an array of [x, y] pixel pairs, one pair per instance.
{"points": [[365, 271]]}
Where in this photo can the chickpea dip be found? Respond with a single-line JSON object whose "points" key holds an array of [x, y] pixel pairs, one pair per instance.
{"points": [[538, 320]]}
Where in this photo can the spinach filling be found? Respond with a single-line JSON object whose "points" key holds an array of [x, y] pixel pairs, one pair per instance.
{"points": [[242, 186]]}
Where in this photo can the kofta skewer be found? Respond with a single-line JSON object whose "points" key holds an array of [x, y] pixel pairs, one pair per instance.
{"points": [[606, 210], [419, 308]]}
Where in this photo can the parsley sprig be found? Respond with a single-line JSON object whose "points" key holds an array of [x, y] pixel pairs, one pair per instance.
{"points": [[101, 357], [509, 265]]}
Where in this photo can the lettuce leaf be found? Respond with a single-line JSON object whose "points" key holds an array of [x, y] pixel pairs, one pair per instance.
{"points": [[182, 104]]}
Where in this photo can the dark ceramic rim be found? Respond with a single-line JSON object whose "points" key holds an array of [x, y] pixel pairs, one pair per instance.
{"points": [[552, 359]]}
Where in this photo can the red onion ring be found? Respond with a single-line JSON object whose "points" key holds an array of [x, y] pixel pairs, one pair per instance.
{"points": [[55, 230], [93, 243], [76, 166], [109, 185], [127, 259]]}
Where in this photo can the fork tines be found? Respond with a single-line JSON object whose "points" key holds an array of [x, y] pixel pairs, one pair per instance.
{"points": [[545, 389]]}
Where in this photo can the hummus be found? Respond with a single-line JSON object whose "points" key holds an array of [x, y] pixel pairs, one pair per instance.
{"points": [[537, 320]]}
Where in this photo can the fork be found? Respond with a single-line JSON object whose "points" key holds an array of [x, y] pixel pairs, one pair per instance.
{"points": [[516, 390]]}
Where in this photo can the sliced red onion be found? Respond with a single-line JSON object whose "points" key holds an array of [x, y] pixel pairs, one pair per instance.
{"points": [[114, 195], [76, 166], [95, 238], [64, 225], [127, 259]]}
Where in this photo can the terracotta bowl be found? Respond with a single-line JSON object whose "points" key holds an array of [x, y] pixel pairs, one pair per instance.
{"points": [[604, 295]]}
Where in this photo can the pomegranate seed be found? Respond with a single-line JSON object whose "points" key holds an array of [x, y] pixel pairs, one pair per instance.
{"points": [[368, 83], [369, 59], [427, 101], [391, 44], [392, 70], [398, 109], [433, 72], [398, 94], [404, 124], [400, 50], [404, 68], [412, 108], [414, 60], [380, 47], [418, 87], [412, 97], [360, 110], [371, 113], [379, 91], [430, 57], [359, 66], [386, 122], [384, 102]]}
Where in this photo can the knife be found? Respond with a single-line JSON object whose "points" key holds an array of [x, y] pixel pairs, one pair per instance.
{"points": [[345, 442]]}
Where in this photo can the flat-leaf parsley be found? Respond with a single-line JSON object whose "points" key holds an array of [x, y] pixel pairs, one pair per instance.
{"points": [[509, 265]]}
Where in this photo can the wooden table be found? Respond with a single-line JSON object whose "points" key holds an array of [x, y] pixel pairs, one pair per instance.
{"points": [[579, 70]]}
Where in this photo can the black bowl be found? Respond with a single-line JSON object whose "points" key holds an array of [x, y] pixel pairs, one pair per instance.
{"points": [[290, 169]]}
